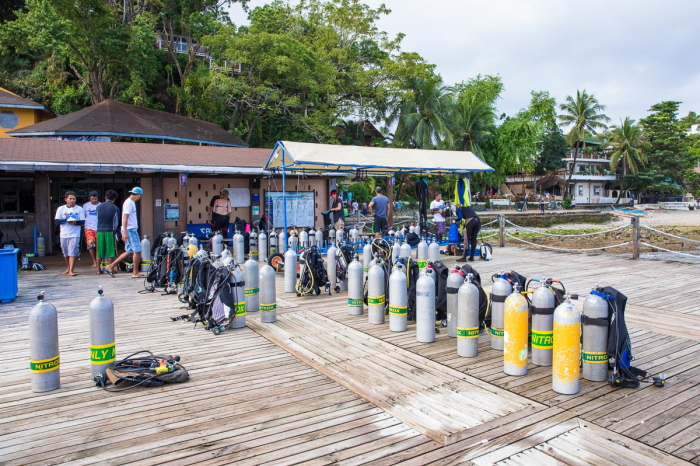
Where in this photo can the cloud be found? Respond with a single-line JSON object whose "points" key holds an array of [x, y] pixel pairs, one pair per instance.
{"points": [[630, 54]]}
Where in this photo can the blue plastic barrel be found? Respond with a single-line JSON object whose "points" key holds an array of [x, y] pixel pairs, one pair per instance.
{"points": [[8, 272]]}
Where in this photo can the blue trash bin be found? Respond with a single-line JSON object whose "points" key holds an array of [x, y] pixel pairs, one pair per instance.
{"points": [[8, 272]]}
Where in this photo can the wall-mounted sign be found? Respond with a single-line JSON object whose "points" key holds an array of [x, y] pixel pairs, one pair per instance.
{"points": [[183, 179], [159, 202], [172, 211], [256, 210], [392, 181]]}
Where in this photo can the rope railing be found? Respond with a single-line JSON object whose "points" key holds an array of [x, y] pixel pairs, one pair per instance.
{"points": [[697, 256], [669, 234], [488, 236], [567, 249], [565, 235], [487, 224]]}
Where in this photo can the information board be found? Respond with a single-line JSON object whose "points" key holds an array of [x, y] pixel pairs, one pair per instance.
{"points": [[300, 209], [239, 197]]}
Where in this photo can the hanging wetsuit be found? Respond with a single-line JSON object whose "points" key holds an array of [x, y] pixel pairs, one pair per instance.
{"points": [[472, 227]]}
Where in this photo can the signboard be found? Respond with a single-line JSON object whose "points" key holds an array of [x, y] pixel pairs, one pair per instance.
{"points": [[202, 230], [183, 179], [159, 203], [239, 197], [300, 209], [172, 212], [256, 210]]}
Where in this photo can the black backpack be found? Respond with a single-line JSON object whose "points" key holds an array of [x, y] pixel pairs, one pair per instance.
{"points": [[441, 274], [412, 270], [483, 299]]}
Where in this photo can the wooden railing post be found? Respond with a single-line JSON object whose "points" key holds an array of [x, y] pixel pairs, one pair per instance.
{"points": [[635, 238], [501, 230]]}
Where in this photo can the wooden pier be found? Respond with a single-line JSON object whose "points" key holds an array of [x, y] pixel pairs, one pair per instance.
{"points": [[323, 387]]}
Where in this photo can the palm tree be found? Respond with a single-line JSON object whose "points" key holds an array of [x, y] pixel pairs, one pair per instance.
{"points": [[471, 123], [627, 140], [585, 115], [420, 114]]}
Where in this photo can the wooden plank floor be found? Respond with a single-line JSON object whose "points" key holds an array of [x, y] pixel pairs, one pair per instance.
{"points": [[440, 402], [250, 401]]}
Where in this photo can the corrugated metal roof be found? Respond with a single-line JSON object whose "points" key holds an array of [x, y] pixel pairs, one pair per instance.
{"points": [[111, 118]]}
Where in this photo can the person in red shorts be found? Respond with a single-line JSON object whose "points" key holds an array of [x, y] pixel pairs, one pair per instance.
{"points": [[90, 209]]}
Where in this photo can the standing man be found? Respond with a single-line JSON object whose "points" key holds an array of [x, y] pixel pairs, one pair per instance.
{"points": [[337, 210], [380, 204], [436, 207], [355, 207], [90, 209], [107, 227], [364, 209], [70, 218], [130, 233]]}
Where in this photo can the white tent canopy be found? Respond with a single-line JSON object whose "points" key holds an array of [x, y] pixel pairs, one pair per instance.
{"points": [[374, 160]]}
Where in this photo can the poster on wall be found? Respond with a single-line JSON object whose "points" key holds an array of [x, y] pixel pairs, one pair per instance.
{"points": [[239, 197], [300, 209], [172, 212]]}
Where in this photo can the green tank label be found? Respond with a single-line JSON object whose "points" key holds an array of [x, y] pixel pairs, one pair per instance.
{"points": [[251, 291], [542, 340], [364, 269], [103, 354], [375, 299], [355, 302], [594, 358], [397, 310], [472, 332], [496, 332], [44, 365], [145, 262], [268, 307], [240, 309], [422, 264]]}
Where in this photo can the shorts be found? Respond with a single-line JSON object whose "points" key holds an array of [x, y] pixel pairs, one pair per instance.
{"points": [[105, 244], [91, 238], [69, 246], [440, 227], [380, 224], [133, 241]]}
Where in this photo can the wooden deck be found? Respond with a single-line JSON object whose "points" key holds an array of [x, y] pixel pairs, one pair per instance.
{"points": [[289, 394]]}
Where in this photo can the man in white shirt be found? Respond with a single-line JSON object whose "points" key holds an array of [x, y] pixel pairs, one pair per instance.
{"points": [[130, 233], [70, 218], [436, 207], [90, 209]]}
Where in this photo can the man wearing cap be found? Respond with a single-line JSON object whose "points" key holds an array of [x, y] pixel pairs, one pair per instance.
{"points": [[380, 203], [130, 233], [337, 211], [90, 209]]}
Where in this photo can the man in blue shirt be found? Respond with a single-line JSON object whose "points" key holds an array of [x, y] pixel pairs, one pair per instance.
{"points": [[380, 204]]}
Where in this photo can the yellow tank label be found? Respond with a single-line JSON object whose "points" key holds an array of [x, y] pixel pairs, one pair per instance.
{"points": [[240, 309], [397, 310], [103, 354], [268, 307], [356, 302], [566, 352], [375, 299], [251, 291], [470, 332], [44, 365], [595, 357], [542, 339]]}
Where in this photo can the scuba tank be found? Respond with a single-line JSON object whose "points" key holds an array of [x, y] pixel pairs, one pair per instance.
{"points": [[319, 238], [201, 254], [425, 309], [398, 299], [145, 254], [331, 235], [340, 235], [252, 285], [192, 240], [391, 233], [366, 257], [434, 252], [422, 254], [280, 241], [354, 235], [217, 244], [416, 230], [515, 333], [41, 246], [332, 267], [467, 325], [405, 251], [542, 321], [454, 281], [272, 238], [375, 294], [44, 359], [403, 232], [253, 242], [355, 289], [312, 237], [238, 247], [262, 246], [237, 282], [566, 351], [595, 337], [303, 239], [499, 292], [290, 271], [395, 250]]}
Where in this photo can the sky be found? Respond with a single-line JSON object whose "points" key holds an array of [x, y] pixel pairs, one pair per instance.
{"points": [[629, 54]]}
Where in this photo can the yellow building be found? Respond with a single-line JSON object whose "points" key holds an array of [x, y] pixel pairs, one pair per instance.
{"points": [[17, 112]]}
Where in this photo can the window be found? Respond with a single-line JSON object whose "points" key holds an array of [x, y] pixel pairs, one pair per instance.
{"points": [[8, 120], [580, 190], [596, 190]]}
